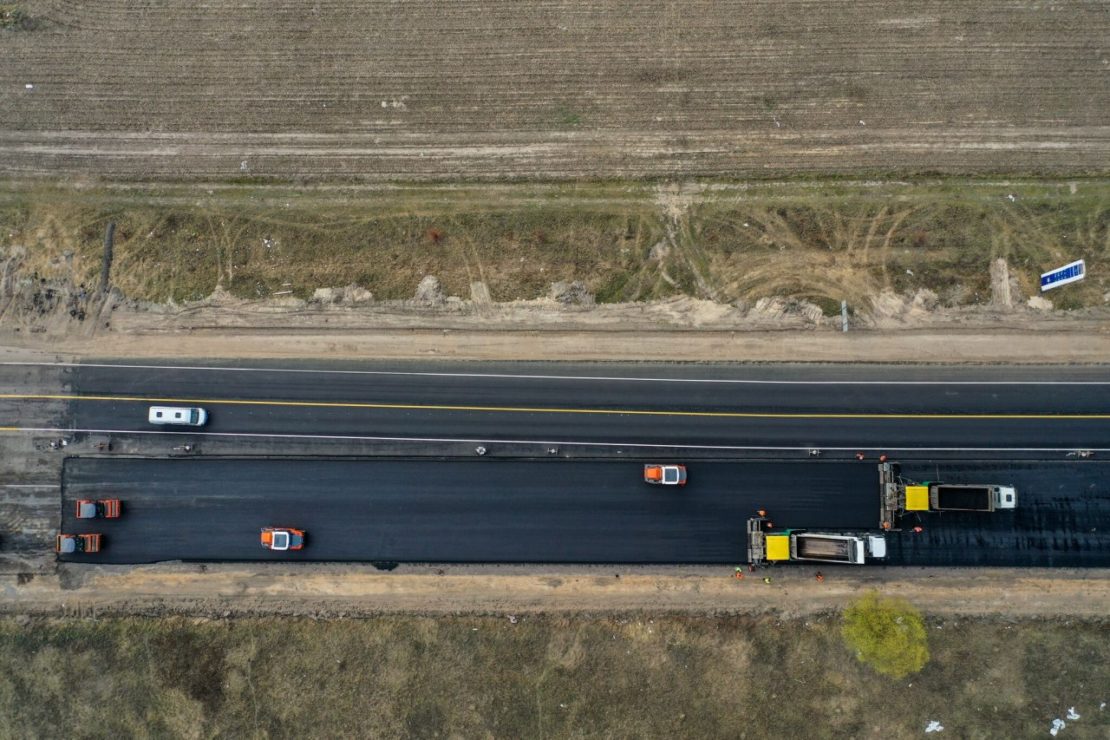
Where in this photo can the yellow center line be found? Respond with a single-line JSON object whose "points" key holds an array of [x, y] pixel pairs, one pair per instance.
{"points": [[546, 410]]}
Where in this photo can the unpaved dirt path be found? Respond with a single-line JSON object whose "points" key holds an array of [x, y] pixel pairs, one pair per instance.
{"points": [[1053, 342], [355, 590]]}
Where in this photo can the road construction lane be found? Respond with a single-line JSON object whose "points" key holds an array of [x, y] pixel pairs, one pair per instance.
{"points": [[487, 510], [1062, 519], [455, 511]]}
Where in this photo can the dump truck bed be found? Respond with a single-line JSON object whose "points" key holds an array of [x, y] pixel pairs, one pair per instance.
{"points": [[961, 498], [825, 547]]}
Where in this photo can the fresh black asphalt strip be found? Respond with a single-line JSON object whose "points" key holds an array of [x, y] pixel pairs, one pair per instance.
{"points": [[565, 511]]}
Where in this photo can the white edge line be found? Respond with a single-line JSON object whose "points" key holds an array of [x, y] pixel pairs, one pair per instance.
{"points": [[571, 443], [507, 376]]}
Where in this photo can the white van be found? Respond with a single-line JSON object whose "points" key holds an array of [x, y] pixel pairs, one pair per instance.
{"points": [[193, 417]]}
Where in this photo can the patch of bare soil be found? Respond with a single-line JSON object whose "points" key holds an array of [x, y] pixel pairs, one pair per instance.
{"points": [[59, 316], [352, 589], [547, 89]]}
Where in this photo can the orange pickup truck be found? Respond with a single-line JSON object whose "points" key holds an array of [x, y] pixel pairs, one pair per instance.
{"points": [[282, 538], [665, 475]]}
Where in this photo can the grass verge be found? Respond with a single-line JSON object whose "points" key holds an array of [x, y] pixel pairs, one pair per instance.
{"points": [[733, 242], [539, 676]]}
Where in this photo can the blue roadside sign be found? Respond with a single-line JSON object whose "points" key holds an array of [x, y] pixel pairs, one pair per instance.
{"points": [[1069, 273]]}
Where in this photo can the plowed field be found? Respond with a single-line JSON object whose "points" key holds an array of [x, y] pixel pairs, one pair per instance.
{"points": [[493, 89]]}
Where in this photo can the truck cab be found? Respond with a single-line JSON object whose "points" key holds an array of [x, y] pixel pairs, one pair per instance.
{"points": [[1006, 497], [665, 475]]}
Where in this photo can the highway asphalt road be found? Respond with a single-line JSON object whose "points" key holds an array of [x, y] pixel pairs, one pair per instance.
{"points": [[488, 510], [783, 406]]}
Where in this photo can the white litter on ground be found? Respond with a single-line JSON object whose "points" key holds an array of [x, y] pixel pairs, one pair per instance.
{"points": [[29, 86], [934, 726], [1057, 725], [1072, 714]]}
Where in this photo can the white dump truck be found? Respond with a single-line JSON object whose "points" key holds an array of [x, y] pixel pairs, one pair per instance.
{"points": [[771, 546], [901, 496]]}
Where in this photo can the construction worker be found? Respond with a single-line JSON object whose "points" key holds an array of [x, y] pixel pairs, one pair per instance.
{"points": [[882, 458], [739, 575], [820, 577], [859, 455], [762, 512]]}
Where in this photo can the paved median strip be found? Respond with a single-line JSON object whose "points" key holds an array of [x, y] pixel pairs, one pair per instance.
{"points": [[546, 443], [556, 410]]}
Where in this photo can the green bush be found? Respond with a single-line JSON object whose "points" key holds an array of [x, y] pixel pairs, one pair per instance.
{"points": [[14, 18], [887, 634]]}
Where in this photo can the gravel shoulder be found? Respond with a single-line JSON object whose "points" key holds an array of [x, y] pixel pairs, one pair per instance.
{"points": [[1051, 342], [331, 590]]}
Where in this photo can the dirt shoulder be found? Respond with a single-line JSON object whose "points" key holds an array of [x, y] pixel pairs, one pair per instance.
{"points": [[1062, 342], [216, 589]]}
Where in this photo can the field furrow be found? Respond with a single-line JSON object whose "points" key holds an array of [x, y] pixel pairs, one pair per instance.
{"points": [[554, 88]]}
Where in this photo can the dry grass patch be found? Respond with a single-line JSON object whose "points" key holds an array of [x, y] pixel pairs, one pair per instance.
{"points": [[731, 242], [630, 676]]}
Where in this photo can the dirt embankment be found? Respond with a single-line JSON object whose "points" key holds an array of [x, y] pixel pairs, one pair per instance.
{"points": [[940, 271]]}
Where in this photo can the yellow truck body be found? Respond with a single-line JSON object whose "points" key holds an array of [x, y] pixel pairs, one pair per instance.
{"points": [[778, 547], [917, 498]]}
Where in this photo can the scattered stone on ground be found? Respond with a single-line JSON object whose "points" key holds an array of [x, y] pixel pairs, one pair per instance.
{"points": [[352, 294], [1039, 303], [785, 309], [571, 293], [430, 292]]}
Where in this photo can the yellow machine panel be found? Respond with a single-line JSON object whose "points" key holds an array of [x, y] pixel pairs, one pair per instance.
{"points": [[917, 498], [778, 547]]}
